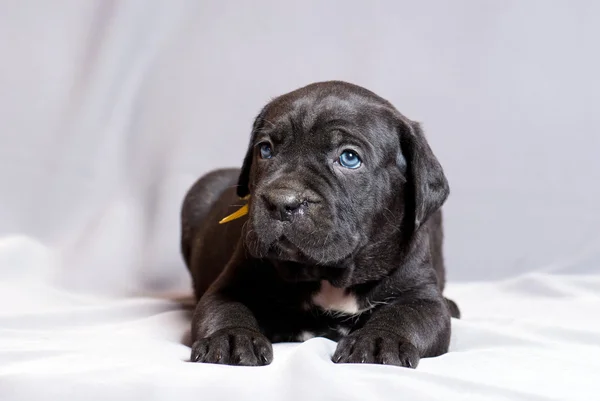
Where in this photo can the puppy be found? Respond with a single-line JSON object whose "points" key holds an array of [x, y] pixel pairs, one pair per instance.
{"points": [[343, 238]]}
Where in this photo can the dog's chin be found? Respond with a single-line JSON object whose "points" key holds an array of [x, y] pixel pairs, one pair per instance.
{"points": [[293, 265], [286, 249], [295, 261]]}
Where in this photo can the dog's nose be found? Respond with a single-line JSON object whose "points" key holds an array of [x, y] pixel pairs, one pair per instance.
{"points": [[284, 203]]}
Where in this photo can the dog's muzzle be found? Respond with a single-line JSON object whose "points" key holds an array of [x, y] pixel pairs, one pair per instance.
{"points": [[285, 204]]}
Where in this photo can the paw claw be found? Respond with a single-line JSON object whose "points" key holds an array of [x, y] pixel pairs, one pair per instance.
{"points": [[233, 347], [373, 346]]}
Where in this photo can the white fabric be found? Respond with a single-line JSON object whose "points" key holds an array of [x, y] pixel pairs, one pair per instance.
{"points": [[533, 337], [110, 110]]}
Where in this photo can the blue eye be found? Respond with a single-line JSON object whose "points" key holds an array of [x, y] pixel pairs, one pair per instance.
{"points": [[265, 151], [349, 159]]}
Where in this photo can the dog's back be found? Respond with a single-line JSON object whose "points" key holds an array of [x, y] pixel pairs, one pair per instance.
{"points": [[205, 251]]}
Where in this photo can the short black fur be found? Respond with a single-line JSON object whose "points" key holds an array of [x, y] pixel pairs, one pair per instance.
{"points": [[371, 237]]}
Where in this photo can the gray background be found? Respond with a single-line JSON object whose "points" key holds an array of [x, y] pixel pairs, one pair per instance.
{"points": [[110, 110]]}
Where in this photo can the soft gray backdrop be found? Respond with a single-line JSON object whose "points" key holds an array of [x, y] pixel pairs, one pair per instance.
{"points": [[110, 110]]}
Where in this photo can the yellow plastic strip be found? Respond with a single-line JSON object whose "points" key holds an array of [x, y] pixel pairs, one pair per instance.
{"points": [[238, 213]]}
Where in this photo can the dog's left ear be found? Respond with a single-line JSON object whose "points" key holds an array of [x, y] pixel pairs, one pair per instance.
{"points": [[243, 188], [426, 179]]}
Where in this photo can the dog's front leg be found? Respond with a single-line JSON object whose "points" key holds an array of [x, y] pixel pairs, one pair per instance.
{"points": [[224, 328], [416, 325]]}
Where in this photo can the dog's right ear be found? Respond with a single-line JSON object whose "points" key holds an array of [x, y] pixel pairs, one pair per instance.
{"points": [[243, 188]]}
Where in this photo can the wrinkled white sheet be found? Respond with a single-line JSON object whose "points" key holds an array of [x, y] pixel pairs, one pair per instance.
{"points": [[110, 110], [534, 337]]}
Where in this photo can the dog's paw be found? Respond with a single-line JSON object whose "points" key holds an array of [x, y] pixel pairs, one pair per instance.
{"points": [[374, 346], [233, 347]]}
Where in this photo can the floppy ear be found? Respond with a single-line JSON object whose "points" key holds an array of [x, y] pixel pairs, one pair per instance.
{"points": [[243, 187], [429, 186]]}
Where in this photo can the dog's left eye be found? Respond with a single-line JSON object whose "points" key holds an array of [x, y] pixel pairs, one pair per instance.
{"points": [[349, 159], [266, 152]]}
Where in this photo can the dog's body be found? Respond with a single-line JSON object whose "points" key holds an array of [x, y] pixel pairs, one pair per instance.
{"points": [[343, 238]]}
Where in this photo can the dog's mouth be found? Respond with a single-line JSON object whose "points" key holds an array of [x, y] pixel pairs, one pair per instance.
{"points": [[284, 250], [312, 240]]}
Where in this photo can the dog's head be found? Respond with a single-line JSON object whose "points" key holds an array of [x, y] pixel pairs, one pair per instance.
{"points": [[330, 168]]}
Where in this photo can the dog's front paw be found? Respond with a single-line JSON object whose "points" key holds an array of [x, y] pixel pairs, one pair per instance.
{"points": [[233, 347], [375, 346]]}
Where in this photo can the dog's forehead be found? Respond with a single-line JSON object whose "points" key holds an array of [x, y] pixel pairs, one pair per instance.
{"points": [[325, 102]]}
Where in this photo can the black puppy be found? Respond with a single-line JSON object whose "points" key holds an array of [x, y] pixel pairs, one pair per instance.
{"points": [[343, 238]]}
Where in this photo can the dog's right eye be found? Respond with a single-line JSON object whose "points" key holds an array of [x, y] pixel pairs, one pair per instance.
{"points": [[266, 152]]}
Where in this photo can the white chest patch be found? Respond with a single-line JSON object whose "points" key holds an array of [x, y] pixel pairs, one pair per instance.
{"points": [[335, 299]]}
